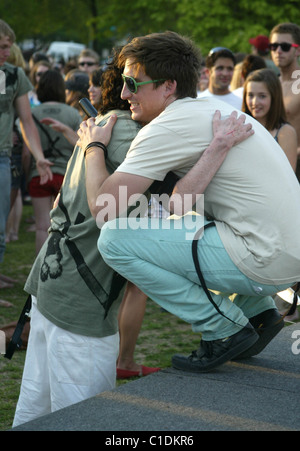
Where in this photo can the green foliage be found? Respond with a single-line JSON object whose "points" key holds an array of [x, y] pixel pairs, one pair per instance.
{"points": [[102, 23]]}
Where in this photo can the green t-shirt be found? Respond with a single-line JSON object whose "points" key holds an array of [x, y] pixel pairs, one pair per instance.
{"points": [[16, 85], [69, 277], [62, 149]]}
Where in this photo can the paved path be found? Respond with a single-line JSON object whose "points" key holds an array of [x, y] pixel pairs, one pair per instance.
{"points": [[262, 393]]}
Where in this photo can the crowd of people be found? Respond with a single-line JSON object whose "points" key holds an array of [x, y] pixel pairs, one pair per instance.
{"points": [[244, 165], [56, 91]]}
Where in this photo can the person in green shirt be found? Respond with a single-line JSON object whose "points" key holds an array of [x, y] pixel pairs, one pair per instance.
{"points": [[74, 339], [14, 101]]}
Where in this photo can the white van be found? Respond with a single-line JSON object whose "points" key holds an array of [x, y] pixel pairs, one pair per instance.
{"points": [[65, 50]]}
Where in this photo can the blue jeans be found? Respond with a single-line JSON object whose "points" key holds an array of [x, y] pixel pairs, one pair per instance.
{"points": [[158, 259], [5, 188]]}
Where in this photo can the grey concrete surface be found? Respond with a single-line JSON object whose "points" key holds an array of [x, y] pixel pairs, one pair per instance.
{"points": [[260, 394]]}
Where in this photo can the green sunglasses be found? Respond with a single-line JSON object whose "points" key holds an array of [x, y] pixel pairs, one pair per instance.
{"points": [[133, 85]]}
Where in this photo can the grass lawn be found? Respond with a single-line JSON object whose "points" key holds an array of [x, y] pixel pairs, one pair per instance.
{"points": [[162, 334]]}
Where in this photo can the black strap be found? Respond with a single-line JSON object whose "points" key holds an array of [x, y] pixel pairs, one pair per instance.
{"points": [[85, 272], [50, 140], [199, 272], [294, 305], [16, 341], [164, 186], [291, 310]]}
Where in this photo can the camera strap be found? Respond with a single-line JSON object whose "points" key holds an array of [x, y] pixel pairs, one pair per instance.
{"points": [[198, 269], [290, 311], [16, 341]]}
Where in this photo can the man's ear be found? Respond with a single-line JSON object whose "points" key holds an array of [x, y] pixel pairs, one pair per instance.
{"points": [[207, 71], [170, 87]]}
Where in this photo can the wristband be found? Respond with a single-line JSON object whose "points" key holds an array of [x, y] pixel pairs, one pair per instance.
{"points": [[96, 144]]}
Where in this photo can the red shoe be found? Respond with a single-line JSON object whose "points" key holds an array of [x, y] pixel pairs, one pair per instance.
{"points": [[127, 374]]}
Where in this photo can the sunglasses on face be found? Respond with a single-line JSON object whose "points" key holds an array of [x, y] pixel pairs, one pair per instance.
{"points": [[133, 85], [285, 46], [87, 63]]}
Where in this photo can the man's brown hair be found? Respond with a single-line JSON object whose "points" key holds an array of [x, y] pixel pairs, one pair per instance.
{"points": [[166, 56], [287, 28]]}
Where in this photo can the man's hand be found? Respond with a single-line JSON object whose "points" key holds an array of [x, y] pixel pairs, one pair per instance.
{"points": [[232, 130], [55, 124], [44, 169], [90, 132]]}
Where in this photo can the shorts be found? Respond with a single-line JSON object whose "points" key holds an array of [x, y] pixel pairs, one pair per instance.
{"points": [[63, 368], [51, 188]]}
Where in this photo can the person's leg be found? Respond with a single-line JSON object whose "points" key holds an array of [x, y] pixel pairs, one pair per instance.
{"points": [[80, 367], [131, 315], [15, 216], [34, 400], [5, 188], [160, 252], [165, 255], [63, 368], [41, 207]]}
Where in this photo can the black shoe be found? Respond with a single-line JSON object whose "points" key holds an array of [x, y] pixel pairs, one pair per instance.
{"points": [[212, 354], [267, 324]]}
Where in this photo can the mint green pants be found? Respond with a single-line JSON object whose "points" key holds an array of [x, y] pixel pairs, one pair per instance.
{"points": [[156, 255]]}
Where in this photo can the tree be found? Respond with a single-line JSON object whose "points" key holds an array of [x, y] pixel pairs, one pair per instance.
{"points": [[101, 23]]}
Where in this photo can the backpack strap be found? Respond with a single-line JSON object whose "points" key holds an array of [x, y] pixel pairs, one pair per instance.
{"points": [[50, 140]]}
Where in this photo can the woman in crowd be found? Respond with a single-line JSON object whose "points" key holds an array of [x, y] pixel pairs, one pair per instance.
{"points": [[263, 100], [95, 92], [95, 96], [35, 75]]}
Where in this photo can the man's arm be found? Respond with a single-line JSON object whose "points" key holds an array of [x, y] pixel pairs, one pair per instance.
{"points": [[32, 138], [227, 133], [121, 186], [100, 186]]}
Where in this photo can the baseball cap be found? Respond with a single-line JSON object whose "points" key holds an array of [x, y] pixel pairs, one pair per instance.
{"points": [[261, 42]]}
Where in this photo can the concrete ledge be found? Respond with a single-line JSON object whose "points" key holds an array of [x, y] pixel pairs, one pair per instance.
{"points": [[260, 394]]}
